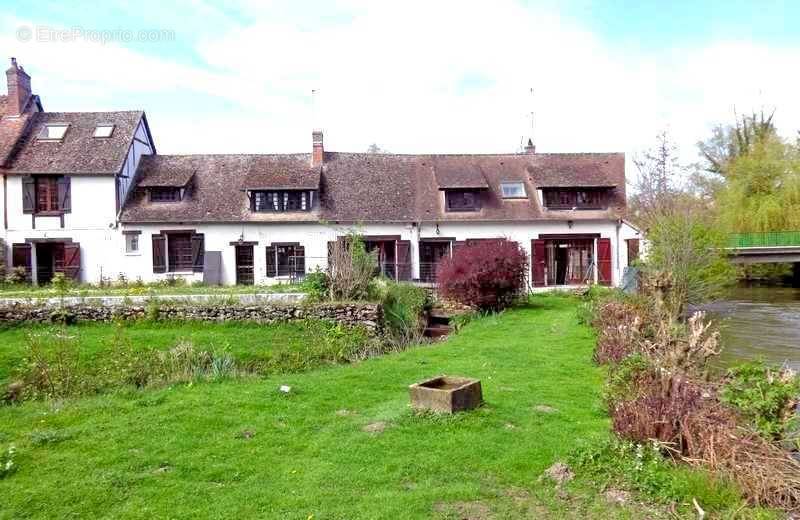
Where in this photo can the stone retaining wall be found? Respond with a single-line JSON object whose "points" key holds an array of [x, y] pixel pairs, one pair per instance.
{"points": [[368, 315]]}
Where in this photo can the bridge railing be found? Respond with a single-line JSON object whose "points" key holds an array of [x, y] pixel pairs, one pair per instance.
{"points": [[765, 239]]}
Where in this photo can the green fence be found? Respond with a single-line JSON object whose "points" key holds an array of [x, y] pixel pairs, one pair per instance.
{"points": [[768, 239]]}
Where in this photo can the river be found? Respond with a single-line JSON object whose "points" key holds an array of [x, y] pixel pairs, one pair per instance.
{"points": [[759, 322]]}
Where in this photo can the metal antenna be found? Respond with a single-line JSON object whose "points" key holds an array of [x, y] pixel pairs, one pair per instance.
{"points": [[315, 109], [532, 116]]}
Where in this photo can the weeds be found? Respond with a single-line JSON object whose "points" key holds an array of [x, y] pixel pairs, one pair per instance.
{"points": [[7, 463]]}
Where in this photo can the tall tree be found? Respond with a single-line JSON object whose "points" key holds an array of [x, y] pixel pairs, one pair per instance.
{"points": [[729, 142]]}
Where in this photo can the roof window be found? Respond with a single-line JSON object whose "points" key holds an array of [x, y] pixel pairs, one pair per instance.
{"points": [[513, 190], [103, 130], [53, 132]]}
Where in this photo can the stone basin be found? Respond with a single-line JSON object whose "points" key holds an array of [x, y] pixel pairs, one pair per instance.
{"points": [[446, 394]]}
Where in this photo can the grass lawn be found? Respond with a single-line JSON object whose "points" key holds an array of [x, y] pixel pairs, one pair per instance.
{"points": [[242, 449], [132, 289]]}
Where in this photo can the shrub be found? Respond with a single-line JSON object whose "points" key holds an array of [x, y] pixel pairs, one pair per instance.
{"points": [[17, 275], [765, 397], [52, 366], [315, 285], [403, 305], [486, 274], [351, 269]]}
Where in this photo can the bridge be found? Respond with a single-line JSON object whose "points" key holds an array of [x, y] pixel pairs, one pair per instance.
{"points": [[765, 248]]}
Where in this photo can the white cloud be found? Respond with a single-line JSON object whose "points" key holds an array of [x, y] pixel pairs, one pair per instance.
{"points": [[418, 76]]}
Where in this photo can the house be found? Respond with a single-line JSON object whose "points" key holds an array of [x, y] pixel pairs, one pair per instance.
{"points": [[88, 195]]}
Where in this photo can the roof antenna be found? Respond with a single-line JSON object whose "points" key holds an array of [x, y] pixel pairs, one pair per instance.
{"points": [[530, 147], [315, 116]]}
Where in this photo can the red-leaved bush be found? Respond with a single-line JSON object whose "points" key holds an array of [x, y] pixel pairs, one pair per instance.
{"points": [[484, 274]]}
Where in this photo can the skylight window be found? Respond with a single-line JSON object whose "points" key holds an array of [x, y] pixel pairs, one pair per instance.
{"points": [[103, 130], [53, 132], [513, 190]]}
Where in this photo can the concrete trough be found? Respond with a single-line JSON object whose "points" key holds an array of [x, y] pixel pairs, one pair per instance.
{"points": [[446, 394]]}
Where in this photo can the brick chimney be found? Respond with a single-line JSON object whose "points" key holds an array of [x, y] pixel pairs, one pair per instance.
{"points": [[530, 147], [318, 150], [19, 89]]}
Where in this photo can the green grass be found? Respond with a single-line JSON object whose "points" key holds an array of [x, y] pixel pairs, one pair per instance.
{"points": [[83, 290], [242, 449]]}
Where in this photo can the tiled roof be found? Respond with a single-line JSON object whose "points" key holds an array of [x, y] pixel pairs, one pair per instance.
{"points": [[165, 170], [363, 187], [285, 171], [11, 131], [78, 152]]}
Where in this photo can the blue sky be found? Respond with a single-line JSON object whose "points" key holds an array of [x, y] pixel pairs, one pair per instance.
{"points": [[419, 76]]}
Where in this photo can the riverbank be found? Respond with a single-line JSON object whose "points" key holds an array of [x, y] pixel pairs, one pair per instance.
{"points": [[343, 442]]}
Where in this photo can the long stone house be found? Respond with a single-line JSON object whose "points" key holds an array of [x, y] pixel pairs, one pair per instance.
{"points": [[87, 194]]}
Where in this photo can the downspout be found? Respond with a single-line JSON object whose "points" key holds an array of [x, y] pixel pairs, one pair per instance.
{"points": [[616, 254], [5, 201]]}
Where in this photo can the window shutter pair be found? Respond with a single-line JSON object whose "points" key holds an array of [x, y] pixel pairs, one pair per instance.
{"points": [[29, 194]]}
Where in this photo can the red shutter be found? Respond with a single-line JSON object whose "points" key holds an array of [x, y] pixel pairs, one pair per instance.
{"points": [[538, 262], [72, 261], [403, 257], [159, 254], [198, 250], [604, 260], [633, 250], [21, 257], [28, 195]]}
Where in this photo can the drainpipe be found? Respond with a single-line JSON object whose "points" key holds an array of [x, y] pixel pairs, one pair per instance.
{"points": [[616, 254], [5, 201]]}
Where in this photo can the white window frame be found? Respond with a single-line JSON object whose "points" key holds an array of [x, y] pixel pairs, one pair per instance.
{"points": [[110, 130], [128, 242], [44, 134], [515, 184]]}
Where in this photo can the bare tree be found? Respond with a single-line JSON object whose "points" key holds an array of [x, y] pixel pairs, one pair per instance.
{"points": [[729, 142], [656, 186]]}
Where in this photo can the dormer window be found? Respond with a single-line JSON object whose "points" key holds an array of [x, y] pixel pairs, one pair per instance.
{"points": [[281, 201], [513, 190], [103, 131], [462, 200], [53, 132], [165, 194], [577, 198]]}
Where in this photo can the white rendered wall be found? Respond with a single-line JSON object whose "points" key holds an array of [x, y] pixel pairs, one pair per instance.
{"points": [[92, 223], [315, 238]]}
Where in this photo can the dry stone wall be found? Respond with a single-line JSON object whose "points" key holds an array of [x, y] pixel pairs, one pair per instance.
{"points": [[368, 315]]}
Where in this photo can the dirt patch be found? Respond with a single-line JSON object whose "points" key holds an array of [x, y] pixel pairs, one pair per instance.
{"points": [[375, 427], [246, 434], [464, 510], [543, 408], [518, 495], [617, 496], [558, 473]]}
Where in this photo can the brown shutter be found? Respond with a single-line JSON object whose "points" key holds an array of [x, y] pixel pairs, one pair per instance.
{"points": [[72, 261], [538, 261], [64, 195], [403, 257], [28, 195], [604, 260], [159, 254], [272, 268], [21, 257], [198, 252], [633, 250], [299, 260]]}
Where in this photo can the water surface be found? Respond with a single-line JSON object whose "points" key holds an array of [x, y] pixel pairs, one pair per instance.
{"points": [[759, 322]]}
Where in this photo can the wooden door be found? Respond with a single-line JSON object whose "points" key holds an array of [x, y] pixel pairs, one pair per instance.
{"points": [[244, 265]]}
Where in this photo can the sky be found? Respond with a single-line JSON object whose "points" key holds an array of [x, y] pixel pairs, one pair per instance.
{"points": [[415, 76]]}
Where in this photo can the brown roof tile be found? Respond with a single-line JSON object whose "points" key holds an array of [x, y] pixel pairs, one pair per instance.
{"points": [[165, 171], [78, 152], [284, 171], [363, 187]]}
